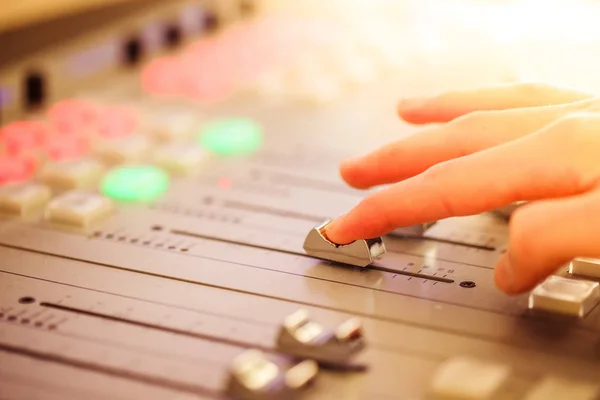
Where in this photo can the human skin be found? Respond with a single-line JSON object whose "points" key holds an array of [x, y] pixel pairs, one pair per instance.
{"points": [[490, 147]]}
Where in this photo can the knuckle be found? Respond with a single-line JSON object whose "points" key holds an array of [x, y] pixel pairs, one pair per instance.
{"points": [[575, 132], [531, 88], [436, 179]]}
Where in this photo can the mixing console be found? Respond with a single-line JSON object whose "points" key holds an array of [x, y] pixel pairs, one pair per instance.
{"points": [[157, 190]]}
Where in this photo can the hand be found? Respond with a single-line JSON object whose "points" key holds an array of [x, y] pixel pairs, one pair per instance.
{"points": [[499, 144]]}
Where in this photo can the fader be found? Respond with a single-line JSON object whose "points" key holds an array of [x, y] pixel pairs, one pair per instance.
{"points": [[360, 253]]}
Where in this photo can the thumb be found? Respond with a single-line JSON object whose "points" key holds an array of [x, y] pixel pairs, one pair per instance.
{"points": [[544, 236]]}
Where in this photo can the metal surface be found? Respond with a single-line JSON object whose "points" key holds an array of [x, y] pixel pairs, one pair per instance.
{"points": [[158, 299]]}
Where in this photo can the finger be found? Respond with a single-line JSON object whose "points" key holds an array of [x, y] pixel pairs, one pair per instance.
{"points": [[464, 136], [544, 236], [560, 160], [451, 105]]}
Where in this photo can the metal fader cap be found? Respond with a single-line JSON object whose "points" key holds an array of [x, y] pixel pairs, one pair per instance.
{"points": [[359, 253]]}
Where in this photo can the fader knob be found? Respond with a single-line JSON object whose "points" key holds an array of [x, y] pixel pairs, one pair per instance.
{"points": [[254, 377], [304, 338], [359, 253]]}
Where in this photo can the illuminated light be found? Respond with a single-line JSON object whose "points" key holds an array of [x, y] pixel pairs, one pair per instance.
{"points": [[67, 148], [117, 122], [162, 77], [16, 169], [73, 116], [225, 183], [21, 136], [235, 136], [135, 183]]}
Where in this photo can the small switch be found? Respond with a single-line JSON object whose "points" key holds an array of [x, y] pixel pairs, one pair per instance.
{"points": [[584, 266], [558, 389], [23, 198], [179, 159], [79, 208], [565, 296], [468, 379], [173, 126], [75, 174], [119, 151]]}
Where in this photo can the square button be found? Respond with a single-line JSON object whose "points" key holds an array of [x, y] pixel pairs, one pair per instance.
{"points": [[585, 267], [75, 174], [565, 296], [79, 208], [465, 378], [179, 159], [23, 198], [119, 151], [558, 389], [173, 126]]}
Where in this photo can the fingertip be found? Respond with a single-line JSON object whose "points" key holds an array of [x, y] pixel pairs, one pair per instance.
{"points": [[504, 275], [411, 110], [353, 173], [337, 233]]}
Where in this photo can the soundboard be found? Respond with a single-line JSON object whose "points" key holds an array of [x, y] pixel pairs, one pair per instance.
{"points": [[162, 164]]}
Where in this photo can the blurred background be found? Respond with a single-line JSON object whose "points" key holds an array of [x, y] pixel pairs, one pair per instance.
{"points": [[531, 39]]}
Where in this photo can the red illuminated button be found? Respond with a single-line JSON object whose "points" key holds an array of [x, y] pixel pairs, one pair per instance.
{"points": [[23, 136], [162, 77], [16, 169], [117, 122], [73, 116], [67, 148]]}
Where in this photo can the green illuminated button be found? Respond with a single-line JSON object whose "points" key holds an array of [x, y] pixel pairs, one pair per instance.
{"points": [[231, 137], [137, 183]]}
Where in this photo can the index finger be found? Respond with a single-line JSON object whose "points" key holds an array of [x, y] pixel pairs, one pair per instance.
{"points": [[526, 169]]}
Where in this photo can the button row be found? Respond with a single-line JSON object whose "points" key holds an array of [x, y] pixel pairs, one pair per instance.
{"points": [[75, 208]]}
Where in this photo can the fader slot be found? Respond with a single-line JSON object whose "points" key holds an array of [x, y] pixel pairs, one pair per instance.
{"points": [[406, 336]]}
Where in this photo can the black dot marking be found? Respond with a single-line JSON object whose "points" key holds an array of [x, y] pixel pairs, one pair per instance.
{"points": [[172, 247], [157, 228], [24, 321], [12, 318], [134, 240], [146, 242], [52, 327], [467, 284], [26, 300], [39, 324], [184, 250], [110, 236]]}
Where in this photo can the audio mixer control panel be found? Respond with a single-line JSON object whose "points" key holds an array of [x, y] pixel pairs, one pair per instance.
{"points": [[163, 187]]}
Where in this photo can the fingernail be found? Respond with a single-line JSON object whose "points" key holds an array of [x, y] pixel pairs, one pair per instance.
{"points": [[505, 275], [412, 103], [352, 161]]}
